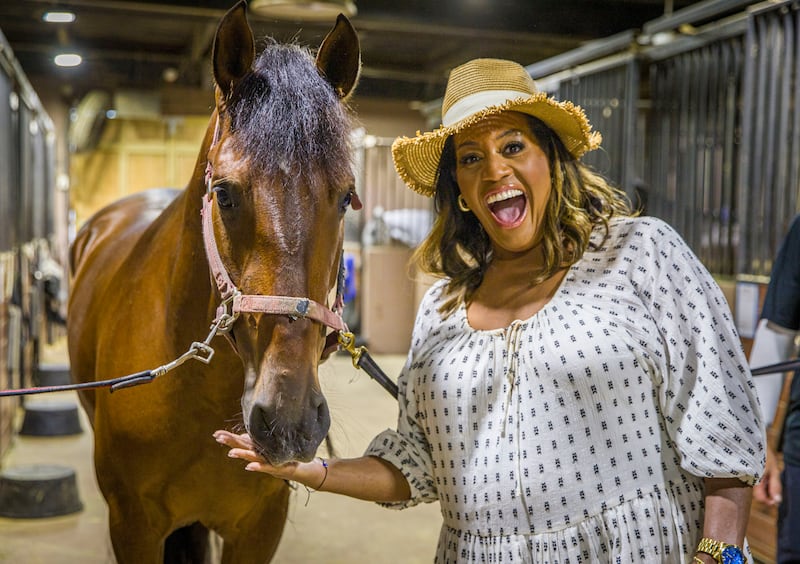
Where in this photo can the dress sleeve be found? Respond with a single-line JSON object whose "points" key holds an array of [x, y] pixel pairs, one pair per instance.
{"points": [[407, 447], [705, 390]]}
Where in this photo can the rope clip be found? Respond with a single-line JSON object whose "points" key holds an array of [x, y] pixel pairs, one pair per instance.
{"points": [[347, 341]]}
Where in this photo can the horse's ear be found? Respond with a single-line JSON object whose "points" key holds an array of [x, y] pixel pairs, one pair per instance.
{"points": [[234, 48], [339, 57]]}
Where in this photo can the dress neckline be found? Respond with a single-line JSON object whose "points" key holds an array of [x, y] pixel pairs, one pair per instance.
{"points": [[560, 289]]}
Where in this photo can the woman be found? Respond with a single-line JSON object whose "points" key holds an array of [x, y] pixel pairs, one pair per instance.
{"points": [[575, 390]]}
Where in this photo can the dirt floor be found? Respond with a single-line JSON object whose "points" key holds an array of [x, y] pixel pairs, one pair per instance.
{"points": [[328, 529]]}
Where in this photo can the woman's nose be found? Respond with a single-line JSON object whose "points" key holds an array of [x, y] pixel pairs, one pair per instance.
{"points": [[495, 167]]}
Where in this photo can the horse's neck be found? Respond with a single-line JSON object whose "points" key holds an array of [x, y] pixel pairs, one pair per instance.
{"points": [[190, 287]]}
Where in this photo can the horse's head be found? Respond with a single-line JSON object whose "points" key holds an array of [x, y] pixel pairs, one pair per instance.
{"points": [[280, 169]]}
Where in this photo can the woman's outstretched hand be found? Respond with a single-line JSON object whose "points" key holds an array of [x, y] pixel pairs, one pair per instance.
{"points": [[241, 446], [366, 477]]}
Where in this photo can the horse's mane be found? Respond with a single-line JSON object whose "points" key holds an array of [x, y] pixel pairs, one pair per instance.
{"points": [[287, 118]]}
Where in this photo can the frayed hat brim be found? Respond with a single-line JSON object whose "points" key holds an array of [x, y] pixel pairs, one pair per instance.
{"points": [[416, 159]]}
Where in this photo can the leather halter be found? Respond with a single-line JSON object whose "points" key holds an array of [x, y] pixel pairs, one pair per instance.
{"points": [[290, 306]]}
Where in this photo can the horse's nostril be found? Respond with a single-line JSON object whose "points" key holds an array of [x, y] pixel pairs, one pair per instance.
{"points": [[322, 412], [259, 424]]}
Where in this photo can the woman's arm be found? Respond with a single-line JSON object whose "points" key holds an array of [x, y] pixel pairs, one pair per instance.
{"points": [[727, 510], [368, 478]]}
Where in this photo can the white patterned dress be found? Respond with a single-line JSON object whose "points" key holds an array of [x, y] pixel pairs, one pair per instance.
{"points": [[583, 433]]}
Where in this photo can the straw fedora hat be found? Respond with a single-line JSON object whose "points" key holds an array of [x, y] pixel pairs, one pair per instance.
{"points": [[475, 90]]}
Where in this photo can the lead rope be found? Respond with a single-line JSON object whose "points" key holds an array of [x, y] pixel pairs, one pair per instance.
{"points": [[201, 351]]}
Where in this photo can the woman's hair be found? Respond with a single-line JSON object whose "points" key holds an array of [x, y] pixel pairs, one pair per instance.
{"points": [[458, 247]]}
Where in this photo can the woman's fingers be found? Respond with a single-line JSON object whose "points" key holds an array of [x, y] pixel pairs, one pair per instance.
{"points": [[233, 440], [242, 448], [246, 454]]}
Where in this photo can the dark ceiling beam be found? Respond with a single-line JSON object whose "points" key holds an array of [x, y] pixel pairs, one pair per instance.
{"points": [[138, 7], [89, 53], [362, 23]]}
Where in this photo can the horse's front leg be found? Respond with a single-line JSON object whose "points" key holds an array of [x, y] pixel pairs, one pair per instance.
{"points": [[138, 529], [256, 535]]}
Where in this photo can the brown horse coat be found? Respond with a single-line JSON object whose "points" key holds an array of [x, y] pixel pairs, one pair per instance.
{"points": [[141, 294]]}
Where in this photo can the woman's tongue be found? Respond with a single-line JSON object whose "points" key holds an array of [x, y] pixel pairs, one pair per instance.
{"points": [[508, 212]]}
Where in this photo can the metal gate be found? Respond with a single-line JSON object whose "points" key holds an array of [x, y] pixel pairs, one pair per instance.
{"points": [[27, 190], [770, 163], [607, 89], [692, 141], [670, 115]]}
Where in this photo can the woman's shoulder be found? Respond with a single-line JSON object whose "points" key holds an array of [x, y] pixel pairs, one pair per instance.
{"points": [[436, 290], [640, 226], [432, 300], [634, 232]]}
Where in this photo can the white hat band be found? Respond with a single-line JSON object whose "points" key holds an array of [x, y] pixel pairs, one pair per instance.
{"points": [[468, 105]]}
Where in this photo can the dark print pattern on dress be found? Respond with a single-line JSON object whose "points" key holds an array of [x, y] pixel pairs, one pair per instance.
{"points": [[583, 433]]}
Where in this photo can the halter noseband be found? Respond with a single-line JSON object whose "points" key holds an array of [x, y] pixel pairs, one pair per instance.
{"points": [[292, 307]]}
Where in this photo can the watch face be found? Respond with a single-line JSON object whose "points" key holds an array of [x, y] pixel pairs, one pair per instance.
{"points": [[732, 555]]}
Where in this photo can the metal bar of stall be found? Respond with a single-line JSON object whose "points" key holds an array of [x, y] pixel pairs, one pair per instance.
{"points": [[728, 105], [590, 52], [656, 175], [772, 118], [750, 192], [794, 146], [685, 170], [715, 136], [782, 62], [701, 11], [706, 143], [630, 155], [696, 115]]}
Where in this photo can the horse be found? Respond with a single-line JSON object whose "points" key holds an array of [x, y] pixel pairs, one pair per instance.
{"points": [[250, 248]]}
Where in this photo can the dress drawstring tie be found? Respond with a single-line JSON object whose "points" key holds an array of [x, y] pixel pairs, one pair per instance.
{"points": [[512, 338]]}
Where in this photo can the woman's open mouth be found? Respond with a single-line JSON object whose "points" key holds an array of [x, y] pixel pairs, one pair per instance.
{"points": [[508, 207]]}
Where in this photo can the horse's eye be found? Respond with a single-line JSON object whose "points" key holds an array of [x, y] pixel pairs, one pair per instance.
{"points": [[346, 201], [224, 199]]}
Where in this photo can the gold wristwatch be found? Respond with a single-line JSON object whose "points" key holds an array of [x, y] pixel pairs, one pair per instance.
{"points": [[722, 552]]}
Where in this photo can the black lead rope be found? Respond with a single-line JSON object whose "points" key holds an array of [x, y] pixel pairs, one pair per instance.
{"points": [[777, 367], [368, 364], [113, 383]]}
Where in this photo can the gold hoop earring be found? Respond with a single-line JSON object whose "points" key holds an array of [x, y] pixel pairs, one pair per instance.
{"points": [[462, 204]]}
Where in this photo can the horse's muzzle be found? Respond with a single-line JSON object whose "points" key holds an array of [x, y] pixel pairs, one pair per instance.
{"points": [[283, 438]]}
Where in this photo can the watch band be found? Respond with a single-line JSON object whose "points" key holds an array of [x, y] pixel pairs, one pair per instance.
{"points": [[722, 552]]}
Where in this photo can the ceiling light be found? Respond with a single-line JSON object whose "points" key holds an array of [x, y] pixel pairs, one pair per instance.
{"points": [[58, 17], [68, 59], [303, 10], [170, 74]]}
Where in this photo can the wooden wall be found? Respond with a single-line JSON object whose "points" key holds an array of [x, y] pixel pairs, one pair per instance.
{"points": [[134, 155]]}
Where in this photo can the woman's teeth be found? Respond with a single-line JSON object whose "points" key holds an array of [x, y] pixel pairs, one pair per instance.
{"points": [[504, 195]]}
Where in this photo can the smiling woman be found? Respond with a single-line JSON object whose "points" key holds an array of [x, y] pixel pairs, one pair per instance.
{"points": [[575, 389], [504, 177]]}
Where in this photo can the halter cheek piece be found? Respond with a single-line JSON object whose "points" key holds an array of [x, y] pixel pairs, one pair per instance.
{"points": [[232, 297]]}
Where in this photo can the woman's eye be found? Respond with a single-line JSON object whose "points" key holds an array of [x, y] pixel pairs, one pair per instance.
{"points": [[514, 147], [224, 199], [468, 159]]}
